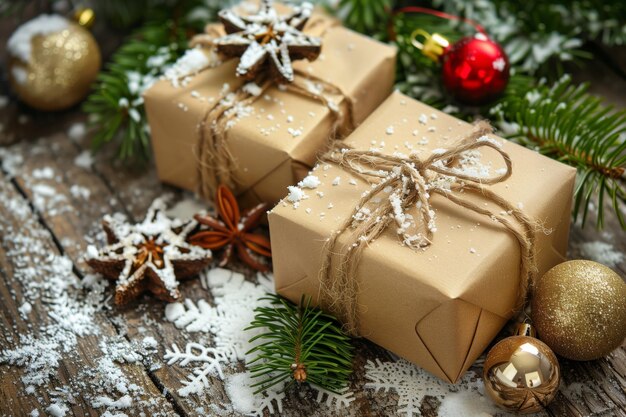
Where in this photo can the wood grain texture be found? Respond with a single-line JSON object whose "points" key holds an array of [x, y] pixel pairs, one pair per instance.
{"points": [[42, 142]]}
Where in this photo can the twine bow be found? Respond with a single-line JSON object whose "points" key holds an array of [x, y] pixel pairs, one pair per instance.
{"points": [[411, 182]]}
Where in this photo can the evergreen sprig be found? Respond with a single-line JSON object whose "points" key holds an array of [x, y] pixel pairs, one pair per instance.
{"points": [[566, 123], [115, 107], [299, 343], [365, 16]]}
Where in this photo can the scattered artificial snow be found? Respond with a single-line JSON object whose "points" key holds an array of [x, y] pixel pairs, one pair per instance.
{"points": [[25, 308], [310, 181], [121, 403], [190, 63], [295, 194], [78, 191], [240, 391], [77, 131], [294, 132], [601, 252], [68, 311], [19, 44], [253, 89], [134, 114], [149, 342], [43, 173], [174, 311], [57, 410], [84, 160], [47, 200], [532, 96]]}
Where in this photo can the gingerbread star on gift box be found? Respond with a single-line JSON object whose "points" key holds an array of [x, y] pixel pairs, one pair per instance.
{"points": [[267, 39], [148, 257]]}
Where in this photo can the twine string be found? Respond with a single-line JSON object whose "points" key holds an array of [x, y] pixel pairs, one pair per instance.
{"points": [[411, 182]]}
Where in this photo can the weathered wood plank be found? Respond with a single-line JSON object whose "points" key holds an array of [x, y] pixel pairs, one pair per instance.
{"points": [[71, 374], [76, 221]]}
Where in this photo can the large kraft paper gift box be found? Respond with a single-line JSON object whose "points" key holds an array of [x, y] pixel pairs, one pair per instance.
{"points": [[276, 144], [439, 307]]}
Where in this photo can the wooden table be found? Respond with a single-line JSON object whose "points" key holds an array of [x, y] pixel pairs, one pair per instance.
{"points": [[37, 142]]}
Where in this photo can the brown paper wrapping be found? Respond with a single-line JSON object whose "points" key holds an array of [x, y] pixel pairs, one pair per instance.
{"points": [[363, 69], [440, 307]]}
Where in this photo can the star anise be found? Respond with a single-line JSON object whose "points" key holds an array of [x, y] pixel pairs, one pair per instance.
{"points": [[268, 40], [232, 232], [148, 256]]}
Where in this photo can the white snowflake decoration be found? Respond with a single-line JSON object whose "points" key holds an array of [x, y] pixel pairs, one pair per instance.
{"points": [[412, 384], [234, 302]]}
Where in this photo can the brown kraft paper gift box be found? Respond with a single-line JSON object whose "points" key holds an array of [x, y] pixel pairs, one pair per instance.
{"points": [[439, 307], [278, 143]]}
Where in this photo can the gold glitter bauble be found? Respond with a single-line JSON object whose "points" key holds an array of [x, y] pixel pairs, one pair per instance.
{"points": [[60, 70], [579, 310], [521, 374]]}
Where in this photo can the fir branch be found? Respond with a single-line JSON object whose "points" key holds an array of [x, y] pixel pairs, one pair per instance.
{"points": [[568, 124], [365, 16], [115, 107], [299, 343]]}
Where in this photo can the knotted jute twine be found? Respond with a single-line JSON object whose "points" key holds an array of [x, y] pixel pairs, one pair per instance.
{"points": [[216, 164], [411, 182]]}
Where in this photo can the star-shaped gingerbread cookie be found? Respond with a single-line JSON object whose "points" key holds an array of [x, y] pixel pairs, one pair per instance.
{"points": [[149, 256], [267, 40]]}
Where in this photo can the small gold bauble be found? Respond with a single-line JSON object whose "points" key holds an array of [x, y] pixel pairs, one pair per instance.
{"points": [[61, 67], [521, 374], [579, 310]]}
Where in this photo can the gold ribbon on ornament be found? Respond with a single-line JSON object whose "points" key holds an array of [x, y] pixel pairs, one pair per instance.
{"points": [[411, 182]]}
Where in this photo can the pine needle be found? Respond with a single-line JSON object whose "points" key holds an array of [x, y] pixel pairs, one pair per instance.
{"points": [[299, 343], [570, 125]]}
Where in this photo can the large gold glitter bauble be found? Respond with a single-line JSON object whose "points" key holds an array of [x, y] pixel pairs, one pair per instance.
{"points": [[60, 70], [579, 310], [521, 373]]}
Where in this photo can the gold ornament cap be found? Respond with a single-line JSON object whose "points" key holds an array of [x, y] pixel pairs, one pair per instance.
{"points": [[525, 329], [85, 17], [432, 46]]}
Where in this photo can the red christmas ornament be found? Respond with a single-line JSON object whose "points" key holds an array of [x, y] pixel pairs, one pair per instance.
{"points": [[475, 69]]}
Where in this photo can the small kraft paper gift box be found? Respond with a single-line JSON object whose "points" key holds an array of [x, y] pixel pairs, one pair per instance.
{"points": [[239, 110], [423, 234]]}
